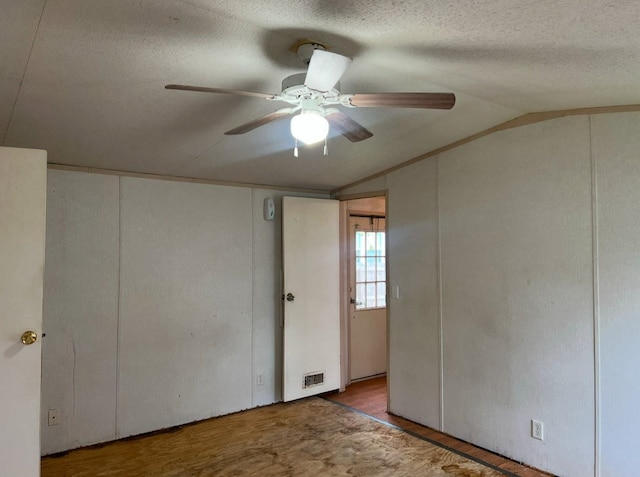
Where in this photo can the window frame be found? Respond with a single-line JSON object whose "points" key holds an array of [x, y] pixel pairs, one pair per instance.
{"points": [[379, 253]]}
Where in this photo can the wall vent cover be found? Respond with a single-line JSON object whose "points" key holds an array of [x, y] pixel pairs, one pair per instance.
{"points": [[312, 379]]}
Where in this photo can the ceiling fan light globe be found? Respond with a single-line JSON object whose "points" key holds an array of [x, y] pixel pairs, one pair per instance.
{"points": [[309, 127]]}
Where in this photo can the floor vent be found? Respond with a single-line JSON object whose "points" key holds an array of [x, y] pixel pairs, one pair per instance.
{"points": [[314, 379]]}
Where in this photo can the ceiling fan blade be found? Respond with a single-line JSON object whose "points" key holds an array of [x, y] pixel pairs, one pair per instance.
{"points": [[261, 121], [347, 126], [404, 100], [204, 89], [325, 70]]}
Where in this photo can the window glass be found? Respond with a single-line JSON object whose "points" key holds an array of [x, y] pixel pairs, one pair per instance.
{"points": [[381, 294], [371, 295], [380, 244], [371, 244], [370, 270], [359, 244], [381, 269], [360, 296]]}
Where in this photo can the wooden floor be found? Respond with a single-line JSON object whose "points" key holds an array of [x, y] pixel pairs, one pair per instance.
{"points": [[370, 397], [309, 437], [282, 440]]}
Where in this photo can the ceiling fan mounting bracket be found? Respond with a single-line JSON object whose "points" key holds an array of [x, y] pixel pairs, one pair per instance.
{"points": [[305, 48]]}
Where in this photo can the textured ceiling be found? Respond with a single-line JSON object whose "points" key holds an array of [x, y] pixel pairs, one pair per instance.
{"points": [[84, 79]]}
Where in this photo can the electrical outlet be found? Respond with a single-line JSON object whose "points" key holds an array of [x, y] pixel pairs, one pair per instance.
{"points": [[260, 379], [537, 429], [54, 417]]}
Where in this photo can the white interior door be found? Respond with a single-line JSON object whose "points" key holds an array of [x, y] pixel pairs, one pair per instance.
{"points": [[311, 263], [23, 176], [368, 312]]}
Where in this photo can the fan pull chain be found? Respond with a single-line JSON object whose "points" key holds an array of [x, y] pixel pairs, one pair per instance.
{"points": [[295, 149], [326, 149]]}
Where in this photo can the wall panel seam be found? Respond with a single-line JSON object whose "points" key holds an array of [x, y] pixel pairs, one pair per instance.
{"points": [[115, 424], [253, 297], [596, 298], [439, 285]]}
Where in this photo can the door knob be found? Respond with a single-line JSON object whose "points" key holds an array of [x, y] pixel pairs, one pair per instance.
{"points": [[29, 337], [290, 297]]}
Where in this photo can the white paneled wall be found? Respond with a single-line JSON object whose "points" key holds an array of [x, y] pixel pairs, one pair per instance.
{"points": [[616, 148], [517, 296], [414, 343], [267, 302], [161, 305], [539, 263], [80, 310], [185, 303]]}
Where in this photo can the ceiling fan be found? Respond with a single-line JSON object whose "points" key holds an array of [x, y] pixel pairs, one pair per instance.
{"points": [[313, 96]]}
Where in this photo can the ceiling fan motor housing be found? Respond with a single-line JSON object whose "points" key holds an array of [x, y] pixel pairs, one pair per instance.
{"points": [[293, 90], [293, 80]]}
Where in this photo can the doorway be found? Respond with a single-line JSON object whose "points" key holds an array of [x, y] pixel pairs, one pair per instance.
{"points": [[364, 272]]}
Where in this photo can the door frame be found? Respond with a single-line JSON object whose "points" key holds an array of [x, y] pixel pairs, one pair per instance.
{"points": [[345, 378]]}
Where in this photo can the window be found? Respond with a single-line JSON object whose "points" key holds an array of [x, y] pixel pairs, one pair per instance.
{"points": [[371, 270]]}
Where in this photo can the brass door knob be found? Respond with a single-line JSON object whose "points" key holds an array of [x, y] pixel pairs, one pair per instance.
{"points": [[29, 337]]}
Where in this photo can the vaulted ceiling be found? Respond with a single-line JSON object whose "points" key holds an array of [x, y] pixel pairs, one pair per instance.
{"points": [[84, 79]]}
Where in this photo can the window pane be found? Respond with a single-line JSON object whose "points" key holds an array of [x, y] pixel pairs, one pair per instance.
{"points": [[360, 272], [381, 269], [371, 269], [381, 246], [371, 243], [360, 296], [381, 292], [359, 244], [371, 295]]}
